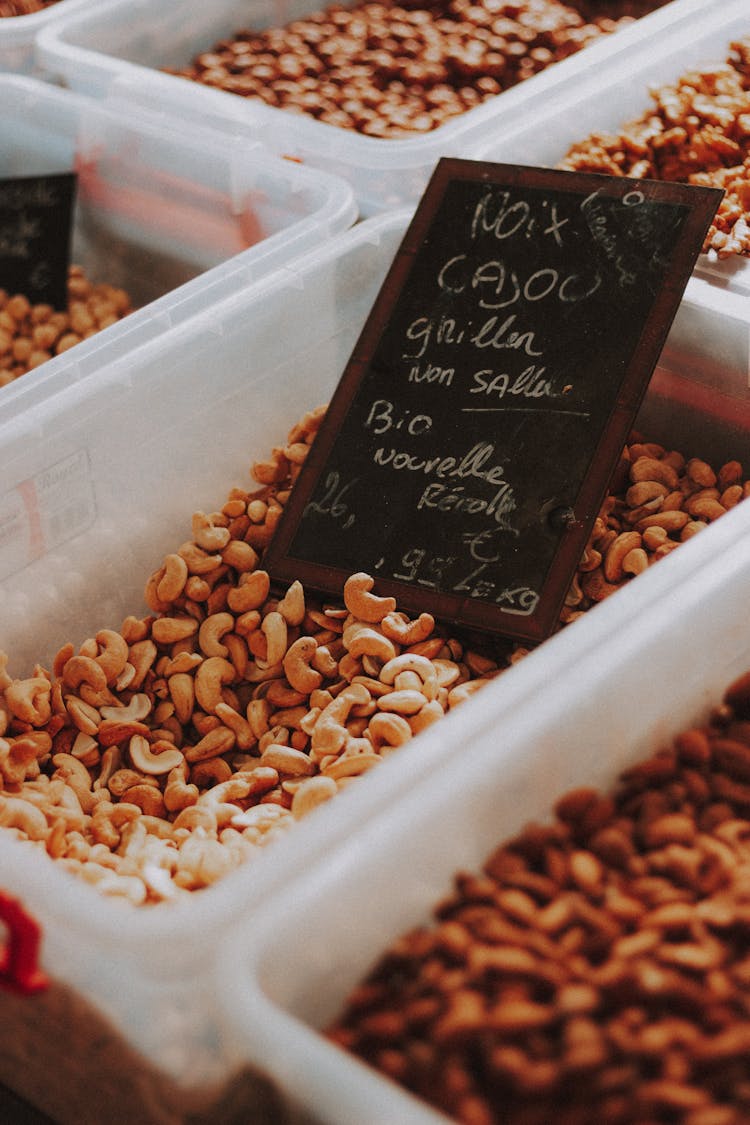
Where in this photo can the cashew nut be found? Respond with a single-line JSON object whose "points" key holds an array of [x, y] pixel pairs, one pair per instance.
{"points": [[389, 730], [15, 812], [210, 772], [250, 593], [287, 761], [330, 734], [313, 791], [29, 700], [274, 629], [143, 653], [210, 677], [411, 662], [178, 794], [649, 468], [369, 642], [292, 605], [172, 583], [145, 760], [113, 653], [363, 604], [298, 667], [615, 554], [212, 630], [84, 671], [218, 741], [398, 628]]}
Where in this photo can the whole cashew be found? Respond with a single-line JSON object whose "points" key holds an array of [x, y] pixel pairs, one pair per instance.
{"points": [[389, 730], [292, 605], [84, 670], [649, 468], [142, 656], [178, 794], [208, 533], [364, 605], [250, 593], [274, 629], [146, 761], [312, 792], [218, 741], [170, 630], [198, 562], [211, 675], [173, 580], [298, 667], [369, 642], [212, 630], [29, 700], [15, 758], [210, 772], [398, 628], [615, 554], [137, 709], [15, 812], [411, 662], [330, 734], [240, 556], [113, 654], [243, 732]]}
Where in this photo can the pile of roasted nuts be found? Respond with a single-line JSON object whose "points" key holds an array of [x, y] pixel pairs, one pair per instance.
{"points": [[388, 70], [697, 131], [30, 334], [597, 968], [156, 758]]}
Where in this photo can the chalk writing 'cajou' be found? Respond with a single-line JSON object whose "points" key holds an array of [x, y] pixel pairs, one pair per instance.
{"points": [[497, 287]]}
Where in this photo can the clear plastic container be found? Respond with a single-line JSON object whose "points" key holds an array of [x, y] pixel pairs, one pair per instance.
{"points": [[176, 220], [120, 47], [100, 480], [603, 102], [18, 34], [653, 676]]}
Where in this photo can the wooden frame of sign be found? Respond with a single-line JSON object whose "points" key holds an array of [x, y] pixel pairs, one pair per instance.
{"points": [[471, 439]]}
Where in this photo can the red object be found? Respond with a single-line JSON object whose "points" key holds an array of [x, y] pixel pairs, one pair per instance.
{"points": [[19, 968]]}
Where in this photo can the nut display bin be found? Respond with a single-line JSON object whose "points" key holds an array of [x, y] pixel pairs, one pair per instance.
{"points": [[120, 46], [176, 220], [100, 481], [18, 33], [606, 101], [653, 676]]}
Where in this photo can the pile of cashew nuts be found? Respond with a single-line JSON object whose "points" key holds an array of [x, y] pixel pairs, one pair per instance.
{"points": [[155, 758]]}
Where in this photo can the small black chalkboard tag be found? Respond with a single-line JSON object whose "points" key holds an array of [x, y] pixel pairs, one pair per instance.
{"points": [[469, 444], [36, 216]]}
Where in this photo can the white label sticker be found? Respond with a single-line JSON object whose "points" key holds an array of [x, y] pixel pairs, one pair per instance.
{"points": [[45, 511]]}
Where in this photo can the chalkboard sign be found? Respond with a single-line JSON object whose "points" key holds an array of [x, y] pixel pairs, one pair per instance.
{"points": [[36, 214], [469, 444]]}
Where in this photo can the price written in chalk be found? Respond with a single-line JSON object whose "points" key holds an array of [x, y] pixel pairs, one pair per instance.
{"points": [[471, 438]]}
